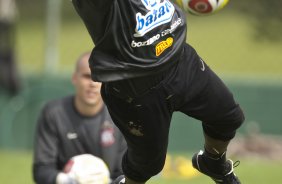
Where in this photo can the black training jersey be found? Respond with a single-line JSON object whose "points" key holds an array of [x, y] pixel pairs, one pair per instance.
{"points": [[132, 37], [63, 133]]}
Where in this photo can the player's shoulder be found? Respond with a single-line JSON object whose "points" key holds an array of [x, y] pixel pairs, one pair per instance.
{"points": [[57, 104], [107, 114]]}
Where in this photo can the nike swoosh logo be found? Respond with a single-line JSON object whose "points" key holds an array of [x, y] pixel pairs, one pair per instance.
{"points": [[217, 180], [71, 135], [203, 65]]}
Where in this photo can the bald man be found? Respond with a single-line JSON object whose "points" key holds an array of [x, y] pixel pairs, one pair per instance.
{"points": [[75, 125]]}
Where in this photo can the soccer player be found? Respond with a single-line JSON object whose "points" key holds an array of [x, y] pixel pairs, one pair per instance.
{"points": [[75, 125], [148, 71]]}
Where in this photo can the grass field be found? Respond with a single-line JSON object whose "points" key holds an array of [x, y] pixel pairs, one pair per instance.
{"points": [[16, 169], [226, 41]]}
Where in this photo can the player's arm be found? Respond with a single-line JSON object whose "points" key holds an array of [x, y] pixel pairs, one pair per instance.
{"points": [[97, 3], [45, 152], [45, 149]]}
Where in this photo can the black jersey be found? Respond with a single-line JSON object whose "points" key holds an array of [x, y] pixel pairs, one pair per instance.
{"points": [[63, 133], [132, 37]]}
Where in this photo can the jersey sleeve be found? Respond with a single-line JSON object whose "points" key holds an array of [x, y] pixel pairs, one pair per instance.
{"points": [[96, 4], [100, 3], [45, 150]]}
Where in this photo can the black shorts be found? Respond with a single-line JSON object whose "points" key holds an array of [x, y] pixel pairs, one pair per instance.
{"points": [[144, 115]]}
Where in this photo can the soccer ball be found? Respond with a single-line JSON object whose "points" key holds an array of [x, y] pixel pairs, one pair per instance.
{"points": [[87, 168], [203, 7]]}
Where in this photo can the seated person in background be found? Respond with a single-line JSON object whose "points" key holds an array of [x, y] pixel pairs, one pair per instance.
{"points": [[76, 125]]}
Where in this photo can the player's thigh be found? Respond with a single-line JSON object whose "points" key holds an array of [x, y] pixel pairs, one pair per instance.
{"points": [[144, 121], [214, 104]]}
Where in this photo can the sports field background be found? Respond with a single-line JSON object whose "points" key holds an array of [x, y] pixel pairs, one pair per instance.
{"points": [[242, 44], [16, 169], [232, 42]]}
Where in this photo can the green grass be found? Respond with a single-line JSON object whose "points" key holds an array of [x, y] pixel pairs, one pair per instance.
{"points": [[16, 169], [228, 44], [250, 172], [225, 40]]}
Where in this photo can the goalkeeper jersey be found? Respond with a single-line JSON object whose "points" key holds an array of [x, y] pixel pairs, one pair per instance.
{"points": [[63, 133], [132, 37]]}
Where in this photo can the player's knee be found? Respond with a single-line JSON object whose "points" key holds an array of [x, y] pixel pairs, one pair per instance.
{"points": [[225, 129], [157, 166], [146, 169], [239, 118], [232, 122], [230, 128], [154, 164]]}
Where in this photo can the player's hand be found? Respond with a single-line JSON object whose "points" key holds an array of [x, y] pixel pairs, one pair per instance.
{"points": [[64, 178]]}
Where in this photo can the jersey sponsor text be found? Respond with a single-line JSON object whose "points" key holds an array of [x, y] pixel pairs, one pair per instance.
{"points": [[159, 13]]}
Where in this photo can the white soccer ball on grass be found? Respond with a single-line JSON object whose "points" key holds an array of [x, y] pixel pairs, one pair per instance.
{"points": [[88, 169]]}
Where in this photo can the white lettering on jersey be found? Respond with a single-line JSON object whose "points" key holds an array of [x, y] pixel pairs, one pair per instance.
{"points": [[145, 43], [156, 37], [172, 27], [159, 13]]}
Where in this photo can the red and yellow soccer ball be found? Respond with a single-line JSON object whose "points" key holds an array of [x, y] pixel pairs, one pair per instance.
{"points": [[203, 7]]}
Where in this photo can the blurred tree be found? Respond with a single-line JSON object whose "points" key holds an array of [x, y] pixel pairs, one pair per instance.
{"points": [[265, 16], [9, 77]]}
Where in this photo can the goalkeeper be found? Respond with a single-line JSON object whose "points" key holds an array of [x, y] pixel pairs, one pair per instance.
{"points": [[147, 73], [75, 125]]}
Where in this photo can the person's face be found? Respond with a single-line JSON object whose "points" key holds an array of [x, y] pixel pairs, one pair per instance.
{"points": [[87, 91]]}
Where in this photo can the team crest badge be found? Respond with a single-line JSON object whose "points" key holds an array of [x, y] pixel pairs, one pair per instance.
{"points": [[107, 135]]}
